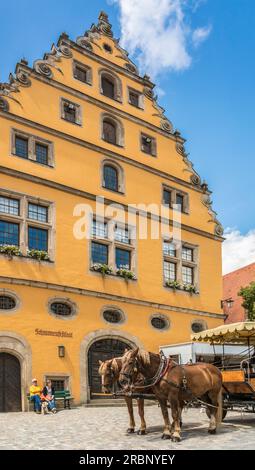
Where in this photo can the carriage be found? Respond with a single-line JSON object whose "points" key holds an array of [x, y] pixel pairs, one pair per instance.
{"points": [[238, 376]]}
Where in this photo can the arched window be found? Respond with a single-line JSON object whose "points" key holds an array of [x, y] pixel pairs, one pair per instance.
{"points": [[110, 178], [109, 131], [112, 130], [110, 85]]}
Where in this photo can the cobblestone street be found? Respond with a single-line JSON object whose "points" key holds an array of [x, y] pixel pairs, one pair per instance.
{"points": [[105, 428]]}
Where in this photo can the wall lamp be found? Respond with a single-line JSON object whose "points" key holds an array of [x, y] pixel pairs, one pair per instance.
{"points": [[228, 302], [61, 351]]}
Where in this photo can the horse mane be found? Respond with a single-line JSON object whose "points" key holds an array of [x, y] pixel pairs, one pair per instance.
{"points": [[113, 363]]}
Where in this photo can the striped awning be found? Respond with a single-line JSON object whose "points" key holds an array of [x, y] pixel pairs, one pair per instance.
{"points": [[241, 333]]}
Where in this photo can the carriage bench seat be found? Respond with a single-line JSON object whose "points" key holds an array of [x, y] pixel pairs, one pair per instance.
{"points": [[63, 396]]}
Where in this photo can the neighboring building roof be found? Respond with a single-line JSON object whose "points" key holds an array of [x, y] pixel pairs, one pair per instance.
{"points": [[232, 282]]}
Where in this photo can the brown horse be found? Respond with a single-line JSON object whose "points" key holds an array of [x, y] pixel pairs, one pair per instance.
{"points": [[109, 371], [178, 385]]}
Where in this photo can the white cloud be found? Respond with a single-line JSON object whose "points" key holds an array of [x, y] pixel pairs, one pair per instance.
{"points": [[238, 249], [158, 34], [200, 35]]}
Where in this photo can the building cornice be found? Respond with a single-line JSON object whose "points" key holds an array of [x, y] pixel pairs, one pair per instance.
{"points": [[97, 149], [77, 192], [103, 295]]}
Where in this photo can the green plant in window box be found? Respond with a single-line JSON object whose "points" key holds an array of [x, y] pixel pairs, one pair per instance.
{"points": [[126, 273], [10, 250], [173, 284], [190, 288], [102, 268], [40, 255]]}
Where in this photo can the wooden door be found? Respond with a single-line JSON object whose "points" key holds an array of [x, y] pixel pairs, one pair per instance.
{"points": [[101, 351], [10, 383]]}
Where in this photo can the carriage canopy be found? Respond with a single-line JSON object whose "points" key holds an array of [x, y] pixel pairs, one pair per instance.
{"points": [[239, 333]]}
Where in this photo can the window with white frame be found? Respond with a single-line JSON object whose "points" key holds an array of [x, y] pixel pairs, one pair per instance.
{"points": [[171, 196], [116, 246], [26, 223], [32, 148], [180, 263]]}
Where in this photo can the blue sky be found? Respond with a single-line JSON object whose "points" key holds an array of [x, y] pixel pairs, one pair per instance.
{"points": [[205, 77]]}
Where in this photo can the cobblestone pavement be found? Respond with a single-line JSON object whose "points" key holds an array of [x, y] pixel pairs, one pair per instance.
{"points": [[105, 428]]}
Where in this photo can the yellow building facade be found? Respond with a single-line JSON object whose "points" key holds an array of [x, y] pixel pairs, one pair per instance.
{"points": [[79, 124]]}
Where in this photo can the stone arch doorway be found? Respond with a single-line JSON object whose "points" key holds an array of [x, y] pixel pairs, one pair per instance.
{"points": [[10, 383], [94, 336], [103, 349]]}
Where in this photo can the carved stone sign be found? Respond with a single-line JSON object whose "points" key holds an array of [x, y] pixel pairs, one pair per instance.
{"points": [[60, 334]]}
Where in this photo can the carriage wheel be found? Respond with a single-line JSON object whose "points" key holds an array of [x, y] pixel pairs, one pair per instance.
{"points": [[224, 413]]}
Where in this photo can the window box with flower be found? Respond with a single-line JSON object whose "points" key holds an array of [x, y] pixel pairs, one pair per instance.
{"points": [[10, 250], [40, 255], [101, 268], [126, 274]]}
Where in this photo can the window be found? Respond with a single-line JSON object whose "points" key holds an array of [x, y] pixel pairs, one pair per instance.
{"points": [[187, 275], [122, 235], [169, 249], [109, 131], [59, 385], [112, 316], [34, 148], [99, 253], [122, 258], [134, 98], [41, 152], [159, 322], [108, 87], [21, 147], [198, 326], [180, 201], [111, 178], [187, 254], [172, 196], [37, 212], [167, 197], [9, 205], [27, 224], [107, 48], [70, 112], [9, 233], [148, 144], [37, 239], [82, 72], [169, 271], [112, 251], [99, 229], [7, 302], [60, 308]]}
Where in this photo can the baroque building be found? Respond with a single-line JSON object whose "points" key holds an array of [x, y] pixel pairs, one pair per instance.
{"points": [[81, 123]]}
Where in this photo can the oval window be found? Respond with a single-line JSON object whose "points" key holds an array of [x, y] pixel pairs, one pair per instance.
{"points": [[61, 308], [159, 323], [197, 327], [107, 48], [112, 316], [7, 302]]}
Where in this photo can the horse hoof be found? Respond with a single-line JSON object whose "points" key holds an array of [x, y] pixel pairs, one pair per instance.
{"points": [[212, 431], [130, 430], [141, 432], [176, 439], [180, 424], [165, 436]]}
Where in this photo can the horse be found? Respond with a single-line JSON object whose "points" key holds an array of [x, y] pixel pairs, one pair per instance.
{"points": [[177, 384], [109, 371]]}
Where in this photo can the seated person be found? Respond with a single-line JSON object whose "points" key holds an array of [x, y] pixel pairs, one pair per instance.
{"points": [[34, 392], [48, 395]]}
